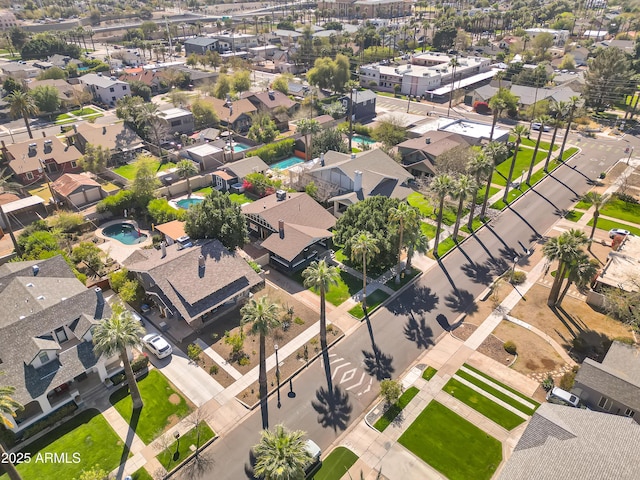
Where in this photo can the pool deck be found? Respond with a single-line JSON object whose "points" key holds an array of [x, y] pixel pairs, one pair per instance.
{"points": [[116, 249], [174, 201]]}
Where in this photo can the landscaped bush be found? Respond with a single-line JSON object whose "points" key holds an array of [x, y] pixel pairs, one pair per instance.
{"points": [[118, 378], [140, 363], [518, 278], [162, 212], [193, 352], [49, 420], [67, 222], [510, 347], [116, 204], [275, 151], [256, 268], [213, 370], [548, 383], [481, 107], [569, 378], [625, 197]]}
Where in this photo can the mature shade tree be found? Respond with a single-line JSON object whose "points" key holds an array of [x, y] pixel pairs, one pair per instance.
{"points": [[463, 188], [53, 73], [223, 86], [263, 129], [145, 181], [22, 105], [217, 217], [608, 79], [364, 247], [281, 454], [329, 139], [389, 132], [308, 127], [186, 169], [262, 315], [241, 81], [8, 408], [440, 186], [498, 152], [330, 74], [115, 336], [564, 249], [321, 276], [281, 83], [543, 120], [406, 217], [572, 105], [140, 89], [444, 37], [480, 166], [597, 201], [541, 44], [204, 115], [95, 158], [148, 116], [518, 131]]}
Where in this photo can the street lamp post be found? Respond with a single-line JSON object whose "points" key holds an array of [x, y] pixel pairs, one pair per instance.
{"points": [[353, 91], [513, 269], [177, 437], [630, 150], [277, 374]]}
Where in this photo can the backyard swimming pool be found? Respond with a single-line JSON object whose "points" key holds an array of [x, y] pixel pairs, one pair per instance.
{"points": [[187, 203], [363, 140], [286, 163], [240, 147], [125, 233]]}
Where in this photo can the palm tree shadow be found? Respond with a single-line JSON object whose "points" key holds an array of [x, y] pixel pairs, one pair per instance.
{"points": [[419, 332], [250, 466], [332, 403], [423, 301], [378, 364], [478, 272], [131, 432], [461, 301]]}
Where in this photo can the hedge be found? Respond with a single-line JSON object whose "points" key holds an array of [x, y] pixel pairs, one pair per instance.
{"points": [[162, 212], [274, 152], [49, 420], [140, 364]]}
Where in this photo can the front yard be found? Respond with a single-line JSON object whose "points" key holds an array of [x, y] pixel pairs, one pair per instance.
{"points": [[128, 171], [179, 450], [347, 286]]}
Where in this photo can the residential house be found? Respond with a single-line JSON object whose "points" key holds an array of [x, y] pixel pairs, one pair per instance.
{"points": [[279, 106], [207, 155], [193, 284], [123, 143], [567, 442], [177, 120], [77, 190], [200, 45], [67, 93], [286, 38], [150, 78], [46, 321], [172, 231], [233, 173], [63, 61], [560, 37], [366, 8], [265, 52], [612, 386], [233, 114], [627, 46], [32, 159], [106, 90], [580, 55], [293, 227], [364, 105], [347, 179], [232, 42], [420, 155], [596, 35], [526, 95], [20, 70]]}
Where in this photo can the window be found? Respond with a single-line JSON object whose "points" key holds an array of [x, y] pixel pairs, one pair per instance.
{"points": [[604, 403], [28, 176], [61, 335], [124, 88], [74, 164], [113, 98], [44, 357], [176, 123], [629, 413], [112, 89]]}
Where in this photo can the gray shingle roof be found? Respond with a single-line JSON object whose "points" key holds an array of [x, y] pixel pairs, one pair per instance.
{"points": [[294, 240], [201, 41], [242, 168], [101, 81], [297, 209], [567, 442]]}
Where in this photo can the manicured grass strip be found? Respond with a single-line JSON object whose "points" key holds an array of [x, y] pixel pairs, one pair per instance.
{"points": [[477, 223], [605, 224], [141, 474], [428, 373], [204, 191], [568, 153], [531, 142], [404, 279], [625, 211], [429, 230], [482, 404], [159, 406], [420, 202], [394, 410], [373, 301], [583, 205], [446, 245], [88, 434], [239, 198], [522, 165], [347, 286], [506, 387], [452, 445], [336, 465], [167, 458], [128, 171], [480, 195], [573, 215], [497, 393]]}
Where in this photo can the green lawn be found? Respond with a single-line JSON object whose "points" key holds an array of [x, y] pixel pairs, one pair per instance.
{"points": [[429, 230], [239, 198], [568, 153], [480, 195], [522, 165], [85, 111], [340, 256], [204, 191], [87, 434], [604, 224], [373, 301], [128, 171], [625, 211], [348, 285], [428, 373], [404, 279], [447, 244], [583, 205], [482, 404], [169, 460], [452, 445], [574, 216], [394, 410], [475, 225], [531, 142], [419, 201], [141, 474], [336, 465], [158, 409], [498, 394], [514, 193], [506, 387], [62, 116]]}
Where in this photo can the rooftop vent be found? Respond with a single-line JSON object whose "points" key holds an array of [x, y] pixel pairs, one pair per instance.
{"points": [[40, 297], [48, 142], [35, 269], [29, 284], [32, 147], [281, 195]]}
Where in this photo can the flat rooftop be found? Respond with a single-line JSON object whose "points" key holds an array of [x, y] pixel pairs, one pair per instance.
{"points": [[465, 82], [471, 129]]}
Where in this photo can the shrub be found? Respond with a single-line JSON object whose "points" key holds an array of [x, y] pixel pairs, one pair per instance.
{"points": [[510, 347], [390, 390], [49, 420], [194, 351], [118, 278], [548, 383], [236, 342], [603, 174], [298, 321], [213, 370], [118, 378], [256, 268], [162, 212], [273, 152], [140, 363], [518, 278], [481, 107], [569, 378], [625, 197], [244, 361], [116, 204], [131, 291], [67, 222]]}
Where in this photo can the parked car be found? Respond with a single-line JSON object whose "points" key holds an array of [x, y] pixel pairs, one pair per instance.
{"points": [[562, 397], [315, 463], [618, 231], [536, 126], [184, 242], [157, 345]]}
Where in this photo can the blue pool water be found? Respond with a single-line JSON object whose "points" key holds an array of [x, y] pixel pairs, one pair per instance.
{"points": [[124, 233], [240, 147], [363, 140], [187, 203], [286, 163]]}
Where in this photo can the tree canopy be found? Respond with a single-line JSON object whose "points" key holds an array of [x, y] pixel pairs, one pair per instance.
{"points": [[608, 78], [330, 74]]}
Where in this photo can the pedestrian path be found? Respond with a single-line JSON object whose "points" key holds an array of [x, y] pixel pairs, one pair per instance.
{"points": [[213, 355], [122, 429], [501, 389]]}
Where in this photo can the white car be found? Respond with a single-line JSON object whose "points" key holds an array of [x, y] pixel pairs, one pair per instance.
{"points": [[157, 345], [536, 126], [618, 231]]}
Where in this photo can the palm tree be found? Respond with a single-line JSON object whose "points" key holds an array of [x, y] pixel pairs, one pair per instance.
{"points": [[321, 276], [498, 152], [572, 105], [441, 186], [463, 187], [405, 215], [281, 454], [564, 248], [543, 120], [519, 131], [453, 63], [582, 271], [262, 314], [308, 127], [22, 105], [497, 106], [185, 169], [9, 186], [116, 336], [417, 241], [598, 201], [363, 247], [8, 407], [558, 111], [480, 166], [149, 115]]}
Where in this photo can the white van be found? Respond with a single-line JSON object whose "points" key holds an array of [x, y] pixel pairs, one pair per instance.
{"points": [[562, 397], [315, 452]]}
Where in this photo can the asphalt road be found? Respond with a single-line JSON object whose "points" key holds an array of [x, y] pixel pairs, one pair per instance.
{"points": [[413, 321]]}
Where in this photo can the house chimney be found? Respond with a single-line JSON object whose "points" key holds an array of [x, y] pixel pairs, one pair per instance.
{"points": [[104, 130], [357, 181], [98, 291], [427, 140], [322, 159], [44, 134], [75, 127], [281, 228], [35, 269], [201, 262], [163, 247]]}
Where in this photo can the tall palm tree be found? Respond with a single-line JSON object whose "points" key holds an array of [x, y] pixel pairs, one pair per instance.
{"points": [[497, 106], [564, 249], [263, 316], [115, 336], [363, 247], [558, 110], [185, 169], [480, 166], [9, 186], [441, 186], [149, 115], [321, 276], [454, 64], [308, 127], [519, 131], [23, 105], [405, 216], [582, 271], [462, 189], [598, 201], [543, 120], [572, 105], [281, 454], [8, 407], [498, 152], [417, 242]]}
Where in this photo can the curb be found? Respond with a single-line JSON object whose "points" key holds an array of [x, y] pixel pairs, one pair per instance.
{"points": [[182, 464]]}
